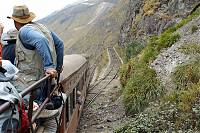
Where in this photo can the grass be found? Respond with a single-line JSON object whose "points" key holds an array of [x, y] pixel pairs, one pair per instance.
{"points": [[176, 112], [184, 99], [142, 87], [133, 49], [187, 74], [139, 81], [194, 28], [190, 49]]}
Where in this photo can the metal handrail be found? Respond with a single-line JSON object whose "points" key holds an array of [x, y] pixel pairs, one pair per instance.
{"points": [[31, 88]]}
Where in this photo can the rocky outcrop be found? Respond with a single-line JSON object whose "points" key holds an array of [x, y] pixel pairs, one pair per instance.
{"points": [[125, 32], [172, 57], [148, 17]]}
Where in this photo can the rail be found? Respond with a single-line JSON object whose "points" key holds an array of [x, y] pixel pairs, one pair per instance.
{"points": [[31, 88]]}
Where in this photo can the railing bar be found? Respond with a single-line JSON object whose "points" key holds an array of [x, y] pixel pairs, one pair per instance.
{"points": [[33, 86], [43, 104], [39, 110], [6, 105]]}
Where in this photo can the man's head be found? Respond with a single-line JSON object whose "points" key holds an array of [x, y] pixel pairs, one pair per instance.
{"points": [[21, 16], [11, 36]]}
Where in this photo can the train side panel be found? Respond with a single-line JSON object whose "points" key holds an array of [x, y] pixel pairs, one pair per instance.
{"points": [[73, 78]]}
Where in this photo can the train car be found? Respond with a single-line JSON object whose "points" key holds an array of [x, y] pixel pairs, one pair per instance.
{"points": [[75, 77], [74, 81]]}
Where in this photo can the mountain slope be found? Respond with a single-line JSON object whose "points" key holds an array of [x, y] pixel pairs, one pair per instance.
{"points": [[161, 77], [88, 27]]}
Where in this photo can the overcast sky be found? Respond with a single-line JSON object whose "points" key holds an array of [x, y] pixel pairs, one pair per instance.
{"points": [[41, 8]]}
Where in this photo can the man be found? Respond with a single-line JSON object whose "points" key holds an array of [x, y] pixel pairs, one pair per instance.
{"points": [[38, 50], [9, 42], [1, 32]]}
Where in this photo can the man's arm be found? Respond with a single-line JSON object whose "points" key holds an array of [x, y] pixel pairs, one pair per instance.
{"points": [[59, 51], [34, 40]]}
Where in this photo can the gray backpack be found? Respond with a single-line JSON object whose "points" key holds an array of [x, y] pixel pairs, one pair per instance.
{"points": [[9, 120]]}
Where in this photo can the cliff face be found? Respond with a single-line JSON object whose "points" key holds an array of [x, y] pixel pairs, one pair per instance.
{"points": [[161, 81], [148, 17]]}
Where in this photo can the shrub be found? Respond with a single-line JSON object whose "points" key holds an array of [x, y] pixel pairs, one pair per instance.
{"points": [[141, 88], [191, 49], [126, 71], [185, 98], [166, 40], [186, 75], [156, 44], [133, 49], [194, 28], [148, 54], [176, 112]]}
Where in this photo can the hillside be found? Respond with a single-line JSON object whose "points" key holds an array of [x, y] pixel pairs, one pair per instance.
{"points": [[161, 77], [88, 27]]}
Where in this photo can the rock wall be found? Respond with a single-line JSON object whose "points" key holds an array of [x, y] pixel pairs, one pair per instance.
{"points": [[147, 17]]}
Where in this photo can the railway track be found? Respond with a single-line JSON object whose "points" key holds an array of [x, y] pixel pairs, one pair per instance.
{"points": [[99, 91], [110, 74]]}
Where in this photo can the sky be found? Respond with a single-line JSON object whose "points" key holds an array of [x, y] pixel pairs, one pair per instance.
{"points": [[41, 8]]}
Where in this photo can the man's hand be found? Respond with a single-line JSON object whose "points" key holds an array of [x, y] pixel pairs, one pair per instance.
{"points": [[52, 72]]}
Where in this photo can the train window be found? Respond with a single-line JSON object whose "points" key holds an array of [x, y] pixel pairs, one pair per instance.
{"points": [[81, 83], [67, 110], [85, 75], [78, 86], [71, 103], [70, 83], [74, 97]]}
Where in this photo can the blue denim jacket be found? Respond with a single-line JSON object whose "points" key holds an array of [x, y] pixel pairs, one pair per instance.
{"points": [[32, 39]]}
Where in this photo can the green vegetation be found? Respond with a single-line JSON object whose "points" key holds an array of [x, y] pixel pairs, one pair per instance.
{"points": [[186, 75], [191, 49], [142, 87], [194, 28], [132, 50], [139, 81], [176, 111], [184, 99]]}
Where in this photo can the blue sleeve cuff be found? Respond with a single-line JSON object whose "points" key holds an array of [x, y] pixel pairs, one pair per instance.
{"points": [[47, 67]]}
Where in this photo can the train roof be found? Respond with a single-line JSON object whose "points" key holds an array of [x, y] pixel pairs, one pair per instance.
{"points": [[72, 63]]}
